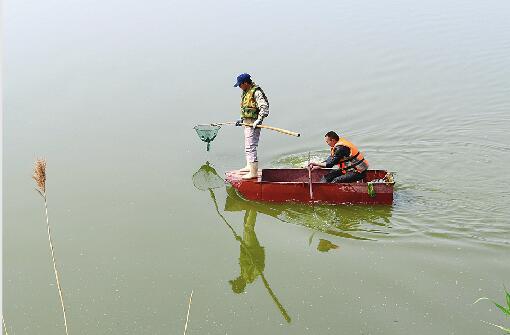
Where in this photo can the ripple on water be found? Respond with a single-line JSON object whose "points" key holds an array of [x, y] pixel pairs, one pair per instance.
{"points": [[451, 177]]}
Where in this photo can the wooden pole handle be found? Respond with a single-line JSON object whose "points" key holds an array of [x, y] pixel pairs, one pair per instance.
{"points": [[280, 130]]}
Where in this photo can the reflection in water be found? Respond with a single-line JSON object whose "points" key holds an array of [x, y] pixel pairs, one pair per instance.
{"points": [[252, 255], [347, 221], [206, 178], [250, 260], [325, 245]]}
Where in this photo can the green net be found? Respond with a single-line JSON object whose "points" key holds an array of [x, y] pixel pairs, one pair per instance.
{"points": [[207, 133]]}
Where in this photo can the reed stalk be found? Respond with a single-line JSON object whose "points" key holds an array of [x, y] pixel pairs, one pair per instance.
{"points": [[40, 178], [187, 316], [5, 327]]}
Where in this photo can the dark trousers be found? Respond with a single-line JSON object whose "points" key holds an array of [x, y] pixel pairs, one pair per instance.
{"points": [[336, 176]]}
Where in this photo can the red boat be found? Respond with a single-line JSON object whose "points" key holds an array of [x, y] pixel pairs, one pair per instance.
{"points": [[293, 185]]}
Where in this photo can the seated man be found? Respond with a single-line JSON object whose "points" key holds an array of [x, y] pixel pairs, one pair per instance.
{"points": [[352, 165]]}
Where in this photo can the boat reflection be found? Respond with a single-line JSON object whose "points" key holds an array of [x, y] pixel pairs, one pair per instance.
{"points": [[359, 222]]}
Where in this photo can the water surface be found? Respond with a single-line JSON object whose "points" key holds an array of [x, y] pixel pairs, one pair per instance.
{"points": [[109, 92]]}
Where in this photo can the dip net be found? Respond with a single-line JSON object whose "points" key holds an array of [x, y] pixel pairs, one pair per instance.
{"points": [[207, 133]]}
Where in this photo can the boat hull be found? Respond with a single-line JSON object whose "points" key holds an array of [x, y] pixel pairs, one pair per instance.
{"points": [[292, 185]]}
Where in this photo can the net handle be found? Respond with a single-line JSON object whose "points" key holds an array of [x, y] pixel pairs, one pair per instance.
{"points": [[280, 130], [216, 124]]}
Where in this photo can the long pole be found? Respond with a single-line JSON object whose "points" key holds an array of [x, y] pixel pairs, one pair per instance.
{"points": [[280, 130], [310, 177]]}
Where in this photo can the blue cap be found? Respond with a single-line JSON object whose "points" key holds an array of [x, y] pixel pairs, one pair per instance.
{"points": [[242, 78]]}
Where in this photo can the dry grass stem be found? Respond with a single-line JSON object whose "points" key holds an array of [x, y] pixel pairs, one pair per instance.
{"points": [[187, 316], [40, 178], [5, 328]]}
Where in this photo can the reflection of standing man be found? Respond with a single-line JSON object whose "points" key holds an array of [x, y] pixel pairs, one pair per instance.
{"points": [[254, 108], [251, 256]]}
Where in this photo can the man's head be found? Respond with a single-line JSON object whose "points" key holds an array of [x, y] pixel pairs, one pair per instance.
{"points": [[243, 81], [331, 138]]}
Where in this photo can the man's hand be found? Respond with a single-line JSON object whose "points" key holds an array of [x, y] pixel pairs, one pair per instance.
{"points": [[239, 122], [257, 122], [314, 166]]}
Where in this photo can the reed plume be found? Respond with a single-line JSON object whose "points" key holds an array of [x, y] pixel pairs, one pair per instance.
{"points": [[40, 175], [40, 179]]}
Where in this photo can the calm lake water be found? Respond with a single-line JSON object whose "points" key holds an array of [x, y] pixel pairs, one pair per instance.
{"points": [[108, 93]]}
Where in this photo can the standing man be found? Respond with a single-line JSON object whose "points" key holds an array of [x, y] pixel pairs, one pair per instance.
{"points": [[352, 166], [254, 108]]}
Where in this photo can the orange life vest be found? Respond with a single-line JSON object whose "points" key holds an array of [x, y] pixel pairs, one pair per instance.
{"points": [[356, 160]]}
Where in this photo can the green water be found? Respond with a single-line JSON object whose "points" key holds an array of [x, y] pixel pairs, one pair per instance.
{"points": [[108, 92]]}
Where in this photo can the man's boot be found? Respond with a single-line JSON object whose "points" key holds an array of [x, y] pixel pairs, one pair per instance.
{"points": [[245, 169], [254, 169]]}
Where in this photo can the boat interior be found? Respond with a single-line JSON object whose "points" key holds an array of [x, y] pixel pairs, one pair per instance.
{"points": [[301, 175]]}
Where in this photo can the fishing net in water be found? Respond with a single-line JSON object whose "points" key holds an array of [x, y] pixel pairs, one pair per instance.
{"points": [[206, 178], [207, 133]]}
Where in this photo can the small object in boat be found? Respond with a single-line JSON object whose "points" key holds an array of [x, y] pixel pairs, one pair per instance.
{"points": [[389, 178], [370, 188]]}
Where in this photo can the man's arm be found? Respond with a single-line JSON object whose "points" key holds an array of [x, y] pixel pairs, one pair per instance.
{"points": [[339, 153], [262, 103]]}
